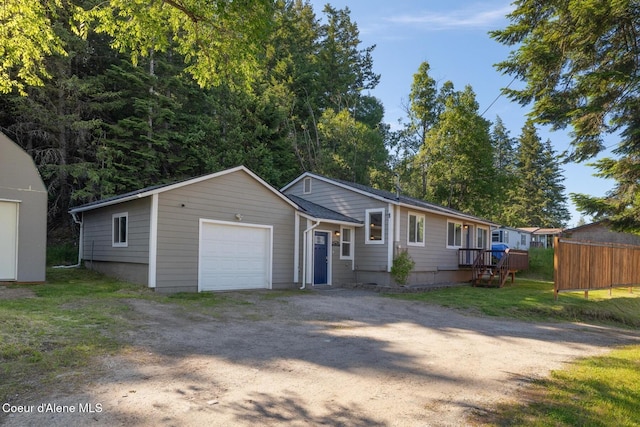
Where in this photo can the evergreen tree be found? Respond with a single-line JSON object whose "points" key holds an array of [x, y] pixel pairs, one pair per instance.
{"points": [[536, 199], [459, 157], [579, 61]]}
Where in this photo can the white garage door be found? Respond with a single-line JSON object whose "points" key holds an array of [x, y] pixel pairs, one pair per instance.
{"points": [[8, 237], [234, 256]]}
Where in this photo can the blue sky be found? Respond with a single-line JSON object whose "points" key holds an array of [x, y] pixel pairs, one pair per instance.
{"points": [[452, 36]]}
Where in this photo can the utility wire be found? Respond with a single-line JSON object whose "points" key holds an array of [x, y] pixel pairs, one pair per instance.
{"points": [[498, 97]]}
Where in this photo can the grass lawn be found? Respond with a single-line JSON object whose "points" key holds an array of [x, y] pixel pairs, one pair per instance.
{"points": [[54, 336]]}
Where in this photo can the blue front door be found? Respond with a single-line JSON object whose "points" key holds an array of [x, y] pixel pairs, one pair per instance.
{"points": [[320, 257]]}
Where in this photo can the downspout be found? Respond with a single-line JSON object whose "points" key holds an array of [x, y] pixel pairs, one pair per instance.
{"points": [[80, 244], [304, 253]]}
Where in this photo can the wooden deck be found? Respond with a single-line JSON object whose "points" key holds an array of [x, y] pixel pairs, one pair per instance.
{"points": [[487, 264]]}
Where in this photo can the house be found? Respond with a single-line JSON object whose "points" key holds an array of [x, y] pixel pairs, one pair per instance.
{"points": [[382, 224], [601, 232], [542, 237], [515, 238], [231, 230], [23, 216]]}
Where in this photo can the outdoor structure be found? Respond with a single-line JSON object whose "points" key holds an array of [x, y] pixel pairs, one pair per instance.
{"points": [[515, 238], [542, 237], [23, 216], [375, 227], [601, 232], [231, 230], [222, 231]]}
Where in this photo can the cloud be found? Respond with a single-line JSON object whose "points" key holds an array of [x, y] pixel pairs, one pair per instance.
{"points": [[455, 19]]}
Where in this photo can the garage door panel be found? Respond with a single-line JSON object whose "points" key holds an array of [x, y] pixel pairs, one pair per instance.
{"points": [[234, 257]]}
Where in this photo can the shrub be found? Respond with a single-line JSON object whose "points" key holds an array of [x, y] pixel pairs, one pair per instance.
{"points": [[402, 266]]}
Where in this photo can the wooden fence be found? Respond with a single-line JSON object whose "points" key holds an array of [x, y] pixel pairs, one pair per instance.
{"points": [[586, 266]]}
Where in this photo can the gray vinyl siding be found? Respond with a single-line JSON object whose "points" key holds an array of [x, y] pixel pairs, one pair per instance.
{"points": [[369, 257], [434, 254], [179, 214], [98, 237]]}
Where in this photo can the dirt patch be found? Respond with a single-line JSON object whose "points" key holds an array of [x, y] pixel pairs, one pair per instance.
{"points": [[10, 292], [335, 357]]}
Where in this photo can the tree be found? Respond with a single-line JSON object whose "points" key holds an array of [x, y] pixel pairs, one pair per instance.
{"points": [[536, 196], [458, 156], [580, 64], [218, 40]]}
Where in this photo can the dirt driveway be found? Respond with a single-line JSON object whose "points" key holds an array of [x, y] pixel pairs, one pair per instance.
{"points": [[335, 357]]}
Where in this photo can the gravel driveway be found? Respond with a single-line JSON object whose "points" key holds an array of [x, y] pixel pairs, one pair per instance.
{"points": [[333, 357]]}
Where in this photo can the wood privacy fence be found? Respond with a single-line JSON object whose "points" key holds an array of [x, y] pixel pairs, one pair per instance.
{"points": [[586, 266]]}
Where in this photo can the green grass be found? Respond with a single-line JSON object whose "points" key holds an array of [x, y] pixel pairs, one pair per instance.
{"points": [[76, 315], [597, 391], [540, 264], [533, 300], [62, 254]]}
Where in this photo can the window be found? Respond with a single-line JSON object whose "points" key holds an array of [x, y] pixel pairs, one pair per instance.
{"points": [[307, 186], [415, 230], [346, 243], [523, 240], [481, 237], [375, 226], [120, 229], [454, 234]]}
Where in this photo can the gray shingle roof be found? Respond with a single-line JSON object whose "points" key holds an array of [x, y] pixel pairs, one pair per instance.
{"points": [[320, 212]]}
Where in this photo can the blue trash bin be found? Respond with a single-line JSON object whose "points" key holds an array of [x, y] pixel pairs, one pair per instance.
{"points": [[497, 250]]}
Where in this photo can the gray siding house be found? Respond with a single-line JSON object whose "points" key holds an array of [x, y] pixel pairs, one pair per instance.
{"points": [[226, 230], [601, 232], [23, 216], [375, 227]]}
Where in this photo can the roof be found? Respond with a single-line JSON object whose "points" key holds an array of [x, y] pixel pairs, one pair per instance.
{"points": [[520, 230], [539, 230], [156, 189], [390, 197], [320, 212]]}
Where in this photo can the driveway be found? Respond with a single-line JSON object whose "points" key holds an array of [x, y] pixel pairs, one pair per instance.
{"points": [[334, 357]]}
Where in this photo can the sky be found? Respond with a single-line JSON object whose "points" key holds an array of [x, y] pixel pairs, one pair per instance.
{"points": [[452, 36]]}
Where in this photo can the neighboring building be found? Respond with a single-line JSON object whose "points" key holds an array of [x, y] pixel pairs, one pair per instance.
{"points": [[231, 230], [23, 216], [515, 238], [386, 224], [600, 232], [542, 237]]}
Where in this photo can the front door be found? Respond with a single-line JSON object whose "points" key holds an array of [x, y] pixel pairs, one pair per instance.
{"points": [[320, 257]]}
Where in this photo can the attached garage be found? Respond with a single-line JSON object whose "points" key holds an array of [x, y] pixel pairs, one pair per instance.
{"points": [[234, 256], [228, 230]]}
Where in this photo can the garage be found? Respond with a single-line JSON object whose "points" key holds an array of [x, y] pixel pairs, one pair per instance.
{"points": [[234, 256]]}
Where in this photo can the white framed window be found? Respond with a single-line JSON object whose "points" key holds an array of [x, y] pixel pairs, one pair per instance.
{"points": [[523, 240], [120, 229], [481, 237], [346, 242], [454, 234], [415, 229], [306, 186], [374, 233]]}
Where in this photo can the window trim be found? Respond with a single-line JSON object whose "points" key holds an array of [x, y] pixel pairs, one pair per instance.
{"points": [[454, 246], [367, 234], [306, 181], [119, 216], [418, 217], [350, 242], [486, 235]]}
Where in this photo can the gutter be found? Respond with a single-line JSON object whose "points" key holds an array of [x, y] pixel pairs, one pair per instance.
{"points": [[304, 253]]}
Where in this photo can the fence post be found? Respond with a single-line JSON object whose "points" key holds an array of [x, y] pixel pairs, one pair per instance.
{"points": [[556, 249]]}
